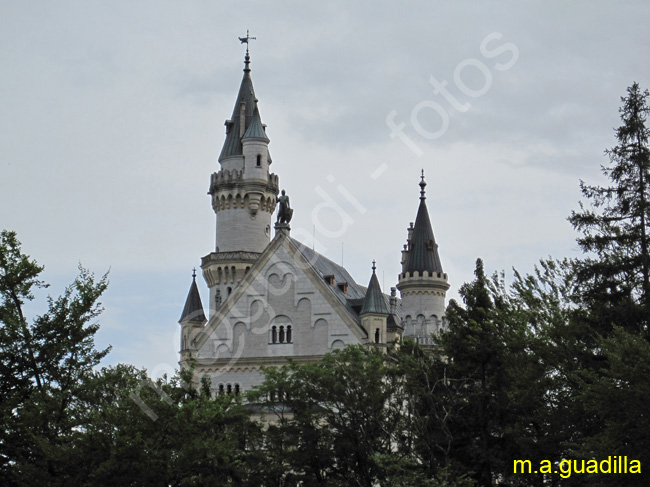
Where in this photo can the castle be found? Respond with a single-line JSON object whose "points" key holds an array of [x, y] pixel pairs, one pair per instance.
{"points": [[276, 298]]}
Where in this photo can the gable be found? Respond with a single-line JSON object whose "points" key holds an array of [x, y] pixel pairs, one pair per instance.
{"points": [[283, 307]]}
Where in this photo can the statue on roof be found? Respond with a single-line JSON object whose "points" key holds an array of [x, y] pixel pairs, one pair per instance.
{"points": [[285, 212]]}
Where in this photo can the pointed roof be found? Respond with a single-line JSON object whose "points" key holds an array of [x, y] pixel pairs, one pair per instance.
{"points": [[255, 129], [423, 253], [193, 310], [232, 145], [374, 301]]}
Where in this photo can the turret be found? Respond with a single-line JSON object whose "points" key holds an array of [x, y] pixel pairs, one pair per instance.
{"points": [[244, 196], [422, 283], [374, 312], [192, 320], [244, 192]]}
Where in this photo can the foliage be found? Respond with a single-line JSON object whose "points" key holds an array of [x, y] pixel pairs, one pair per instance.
{"points": [[337, 422], [614, 276], [46, 369]]}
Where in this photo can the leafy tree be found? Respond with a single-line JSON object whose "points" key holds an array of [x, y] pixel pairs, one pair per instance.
{"points": [[45, 369], [337, 422], [182, 437]]}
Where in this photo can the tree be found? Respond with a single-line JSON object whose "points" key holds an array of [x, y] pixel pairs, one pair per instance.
{"points": [[611, 388], [194, 439], [615, 277], [46, 368], [337, 422]]}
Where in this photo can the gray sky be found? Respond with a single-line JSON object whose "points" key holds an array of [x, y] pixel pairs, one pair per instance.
{"points": [[112, 121]]}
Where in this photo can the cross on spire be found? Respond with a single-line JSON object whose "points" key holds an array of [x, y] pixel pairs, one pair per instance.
{"points": [[194, 273], [374, 267]]}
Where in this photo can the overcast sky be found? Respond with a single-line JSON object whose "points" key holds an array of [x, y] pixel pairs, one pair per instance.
{"points": [[112, 112]]}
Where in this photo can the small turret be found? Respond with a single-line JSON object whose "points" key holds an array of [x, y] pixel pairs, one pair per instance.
{"points": [[192, 319], [374, 312]]}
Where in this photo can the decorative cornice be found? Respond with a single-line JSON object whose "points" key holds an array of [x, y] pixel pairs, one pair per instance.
{"points": [[229, 257], [228, 365], [224, 180], [412, 281]]}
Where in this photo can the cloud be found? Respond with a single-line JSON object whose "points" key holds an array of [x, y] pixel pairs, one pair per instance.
{"points": [[113, 120]]}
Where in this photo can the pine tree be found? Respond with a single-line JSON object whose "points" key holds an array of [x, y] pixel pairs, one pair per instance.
{"points": [[494, 383], [615, 277]]}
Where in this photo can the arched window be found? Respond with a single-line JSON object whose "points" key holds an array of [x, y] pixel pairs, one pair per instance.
{"points": [[229, 388], [377, 335], [229, 291], [221, 389], [259, 160], [236, 389], [274, 334], [289, 337], [282, 334], [272, 396]]}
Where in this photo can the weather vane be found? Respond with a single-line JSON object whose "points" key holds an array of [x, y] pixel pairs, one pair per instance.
{"points": [[244, 40]]}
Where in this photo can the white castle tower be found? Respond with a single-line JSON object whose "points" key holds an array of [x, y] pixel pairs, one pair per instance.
{"points": [[244, 195], [422, 284]]}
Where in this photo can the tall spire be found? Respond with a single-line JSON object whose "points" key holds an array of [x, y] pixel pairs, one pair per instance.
{"points": [[243, 111], [193, 310], [423, 249]]}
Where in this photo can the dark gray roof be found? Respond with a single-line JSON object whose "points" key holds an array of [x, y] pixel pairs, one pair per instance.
{"points": [[354, 299], [193, 310], [232, 146], [325, 267], [423, 253], [374, 301]]}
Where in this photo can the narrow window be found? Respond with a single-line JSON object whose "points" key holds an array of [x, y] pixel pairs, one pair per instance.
{"points": [[229, 291], [236, 389], [377, 335], [259, 160], [274, 335], [229, 388], [282, 334], [289, 334], [272, 396], [221, 389]]}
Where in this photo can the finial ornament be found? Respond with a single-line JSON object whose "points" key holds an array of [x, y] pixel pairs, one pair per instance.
{"points": [[374, 267], [423, 185], [194, 273]]}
